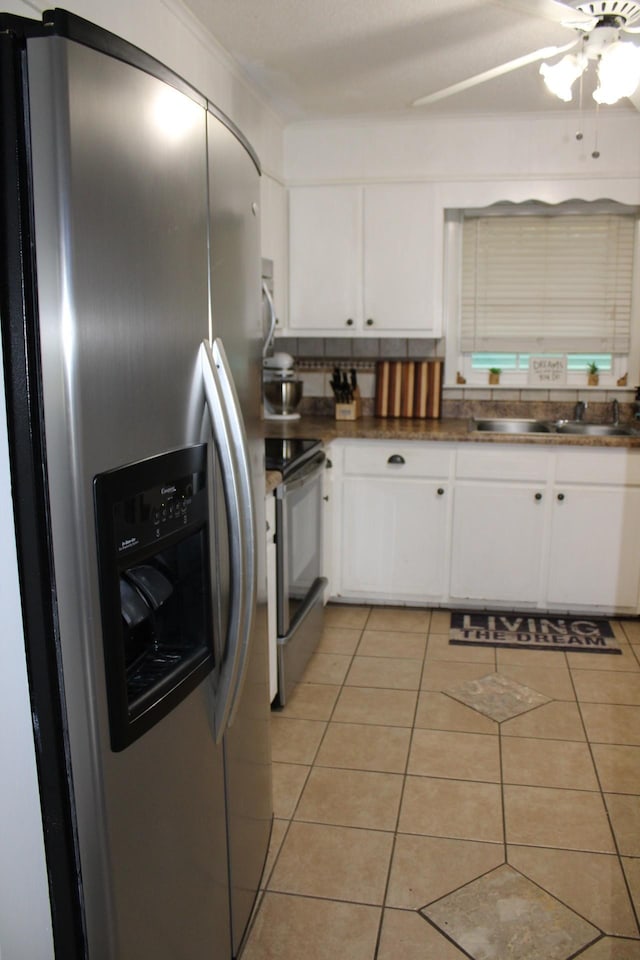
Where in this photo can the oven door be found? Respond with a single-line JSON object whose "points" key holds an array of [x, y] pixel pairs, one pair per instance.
{"points": [[299, 539]]}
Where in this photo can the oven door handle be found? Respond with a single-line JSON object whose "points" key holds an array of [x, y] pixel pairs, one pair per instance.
{"points": [[307, 472], [231, 445]]}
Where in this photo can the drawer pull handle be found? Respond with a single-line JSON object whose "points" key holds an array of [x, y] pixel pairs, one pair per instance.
{"points": [[369, 322], [561, 496], [350, 322], [440, 491], [538, 496], [396, 458]]}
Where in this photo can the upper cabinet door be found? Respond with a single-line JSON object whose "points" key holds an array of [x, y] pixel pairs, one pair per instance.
{"points": [[364, 260], [399, 258], [325, 259]]}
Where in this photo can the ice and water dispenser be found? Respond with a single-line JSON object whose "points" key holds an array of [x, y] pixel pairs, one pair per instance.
{"points": [[153, 553]]}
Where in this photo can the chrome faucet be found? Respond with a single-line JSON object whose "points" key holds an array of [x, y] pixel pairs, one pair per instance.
{"points": [[615, 413], [579, 409]]}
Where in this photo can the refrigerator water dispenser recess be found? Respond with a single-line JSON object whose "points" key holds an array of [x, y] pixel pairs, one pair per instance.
{"points": [[152, 522]]}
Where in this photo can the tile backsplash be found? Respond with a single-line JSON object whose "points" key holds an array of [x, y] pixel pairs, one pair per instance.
{"points": [[316, 358]]}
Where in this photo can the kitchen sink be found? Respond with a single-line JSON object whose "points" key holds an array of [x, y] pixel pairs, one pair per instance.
{"points": [[509, 425], [576, 427], [594, 429]]}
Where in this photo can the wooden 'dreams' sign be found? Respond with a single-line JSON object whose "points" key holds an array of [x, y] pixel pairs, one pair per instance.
{"points": [[409, 388]]}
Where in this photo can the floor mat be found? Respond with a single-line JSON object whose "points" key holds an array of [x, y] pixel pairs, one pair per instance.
{"points": [[522, 630]]}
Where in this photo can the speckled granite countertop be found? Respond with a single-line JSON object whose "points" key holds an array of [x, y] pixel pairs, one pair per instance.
{"points": [[446, 430], [272, 479]]}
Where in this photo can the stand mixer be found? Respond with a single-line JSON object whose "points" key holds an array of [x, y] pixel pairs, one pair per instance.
{"points": [[281, 387]]}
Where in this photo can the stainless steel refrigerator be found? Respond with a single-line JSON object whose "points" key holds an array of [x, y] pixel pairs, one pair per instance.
{"points": [[131, 324]]}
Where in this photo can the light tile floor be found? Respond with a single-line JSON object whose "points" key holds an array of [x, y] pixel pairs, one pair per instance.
{"points": [[397, 807]]}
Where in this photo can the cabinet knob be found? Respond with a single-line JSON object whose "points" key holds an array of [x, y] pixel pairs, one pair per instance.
{"points": [[369, 322], [561, 496], [396, 458], [350, 322], [538, 496], [440, 491]]}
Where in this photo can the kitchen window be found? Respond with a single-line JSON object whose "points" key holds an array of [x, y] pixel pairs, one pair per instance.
{"points": [[539, 279]]}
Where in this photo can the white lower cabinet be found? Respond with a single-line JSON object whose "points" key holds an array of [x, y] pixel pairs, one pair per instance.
{"points": [[497, 542], [481, 524], [392, 520]]}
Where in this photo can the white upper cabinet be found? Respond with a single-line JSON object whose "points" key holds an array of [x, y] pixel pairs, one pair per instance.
{"points": [[364, 260]]}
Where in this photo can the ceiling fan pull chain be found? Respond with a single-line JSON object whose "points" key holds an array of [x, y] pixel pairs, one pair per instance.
{"points": [[579, 134], [596, 152]]}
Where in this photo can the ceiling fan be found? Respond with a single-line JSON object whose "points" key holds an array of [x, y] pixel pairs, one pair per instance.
{"points": [[600, 26]]}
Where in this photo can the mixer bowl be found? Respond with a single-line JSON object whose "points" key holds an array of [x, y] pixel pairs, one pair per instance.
{"points": [[283, 396]]}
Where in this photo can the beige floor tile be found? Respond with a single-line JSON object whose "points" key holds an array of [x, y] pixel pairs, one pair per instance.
{"points": [[558, 720], [567, 819], [394, 708], [389, 643], [295, 741], [351, 798], [341, 640], [618, 768], [631, 629], [459, 809], [440, 621], [365, 747], [439, 648], [550, 659], [339, 863], [625, 661], [624, 811], [555, 684], [631, 866], [442, 675], [289, 928], [288, 781], [592, 884], [597, 686], [326, 668], [384, 672], [311, 701], [548, 763], [437, 711], [423, 869], [610, 949], [461, 756], [407, 936], [411, 619], [346, 615], [611, 723], [278, 830]]}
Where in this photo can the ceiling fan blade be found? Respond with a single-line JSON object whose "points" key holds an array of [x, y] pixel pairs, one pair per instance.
{"points": [[553, 10], [542, 54]]}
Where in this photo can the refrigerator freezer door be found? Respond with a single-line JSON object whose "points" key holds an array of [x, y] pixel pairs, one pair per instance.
{"points": [[120, 212], [237, 321]]}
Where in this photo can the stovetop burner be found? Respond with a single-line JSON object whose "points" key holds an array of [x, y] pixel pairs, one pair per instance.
{"points": [[287, 454]]}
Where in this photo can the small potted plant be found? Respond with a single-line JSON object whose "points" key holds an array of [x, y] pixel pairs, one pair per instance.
{"points": [[494, 374], [593, 377]]}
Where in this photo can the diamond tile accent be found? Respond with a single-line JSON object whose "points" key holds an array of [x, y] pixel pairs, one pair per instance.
{"points": [[504, 916], [497, 697]]}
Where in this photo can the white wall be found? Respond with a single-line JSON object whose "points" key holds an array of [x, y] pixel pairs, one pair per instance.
{"points": [[454, 149]]}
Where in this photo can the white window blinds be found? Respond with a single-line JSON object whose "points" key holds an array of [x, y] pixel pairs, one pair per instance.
{"points": [[547, 283]]}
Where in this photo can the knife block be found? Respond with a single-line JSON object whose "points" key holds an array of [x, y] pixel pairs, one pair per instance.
{"points": [[350, 411]]}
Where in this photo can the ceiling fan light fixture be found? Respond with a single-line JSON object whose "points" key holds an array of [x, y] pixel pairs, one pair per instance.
{"points": [[560, 77], [618, 72]]}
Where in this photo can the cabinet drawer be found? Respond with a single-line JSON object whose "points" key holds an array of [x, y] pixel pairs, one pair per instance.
{"points": [[416, 459], [500, 461], [598, 466]]}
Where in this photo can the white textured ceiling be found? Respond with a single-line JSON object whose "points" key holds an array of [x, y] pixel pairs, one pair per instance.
{"points": [[332, 58]]}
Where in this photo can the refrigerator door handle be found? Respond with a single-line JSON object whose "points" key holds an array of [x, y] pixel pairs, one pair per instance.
{"points": [[231, 444]]}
